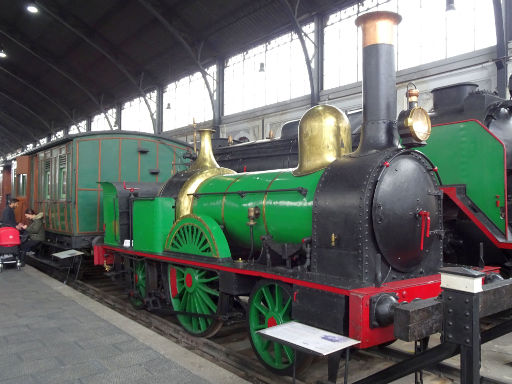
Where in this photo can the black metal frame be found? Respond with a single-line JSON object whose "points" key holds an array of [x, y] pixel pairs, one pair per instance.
{"points": [[461, 311]]}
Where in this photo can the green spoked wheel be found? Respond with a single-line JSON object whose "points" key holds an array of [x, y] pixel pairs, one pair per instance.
{"points": [[198, 235], [196, 291], [138, 293], [270, 304], [190, 238]]}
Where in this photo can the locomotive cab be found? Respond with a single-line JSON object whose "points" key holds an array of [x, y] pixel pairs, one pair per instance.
{"points": [[477, 126]]}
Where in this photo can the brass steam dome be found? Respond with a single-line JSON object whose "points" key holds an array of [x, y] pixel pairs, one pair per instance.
{"points": [[321, 131]]}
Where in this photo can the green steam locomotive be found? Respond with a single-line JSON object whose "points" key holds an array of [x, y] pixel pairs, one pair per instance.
{"points": [[333, 243]]}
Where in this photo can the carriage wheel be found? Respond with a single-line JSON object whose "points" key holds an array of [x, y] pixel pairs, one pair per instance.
{"points": [[270, 304], [196, 291], [138, 293]]}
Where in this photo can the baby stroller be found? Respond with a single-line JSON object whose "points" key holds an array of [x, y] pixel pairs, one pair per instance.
{"points": [[9, 247]]}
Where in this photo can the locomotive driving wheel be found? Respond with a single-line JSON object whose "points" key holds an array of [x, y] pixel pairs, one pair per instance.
{"points": [[270, 304], [138, 293], [197, 291]]}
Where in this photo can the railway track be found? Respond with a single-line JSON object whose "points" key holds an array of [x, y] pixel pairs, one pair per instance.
{"points": [[231, 347]]}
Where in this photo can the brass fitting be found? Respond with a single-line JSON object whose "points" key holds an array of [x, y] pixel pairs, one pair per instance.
{"points": [[252, 213], [334, 238], [412, 97], [378, 27]]}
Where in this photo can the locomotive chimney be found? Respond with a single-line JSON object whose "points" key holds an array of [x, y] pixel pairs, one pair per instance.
{"points": [[205, 159], [379, 81]]}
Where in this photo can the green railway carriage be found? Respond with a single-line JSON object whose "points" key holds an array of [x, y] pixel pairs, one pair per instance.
{"points": [[62, 178]]}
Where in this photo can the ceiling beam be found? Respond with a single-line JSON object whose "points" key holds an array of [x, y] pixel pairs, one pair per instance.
{"points": [[19, 77], [46, 58], [172, 13], [240, 13], [120, 54], [177, 35], [101, 44], [5, 131], [315, 95], [27, 109], [26, 133]]}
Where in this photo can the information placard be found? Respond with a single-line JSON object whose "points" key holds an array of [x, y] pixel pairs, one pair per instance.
{"points": [[304, 337]]}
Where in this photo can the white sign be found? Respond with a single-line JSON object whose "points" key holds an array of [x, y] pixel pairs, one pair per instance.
{"points": [[309, 338], [68, 253]]}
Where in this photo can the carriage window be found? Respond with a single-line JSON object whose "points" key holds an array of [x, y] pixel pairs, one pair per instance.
{"points": [[62, 177], [47, 179], [22, 185], [47, 185]]}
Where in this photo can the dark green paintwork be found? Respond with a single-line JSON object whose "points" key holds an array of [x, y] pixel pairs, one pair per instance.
{"points": [[121, 160], [110, 214], [288, 214], [92, 158], [139, 284], [152, 221], [466, 153]]}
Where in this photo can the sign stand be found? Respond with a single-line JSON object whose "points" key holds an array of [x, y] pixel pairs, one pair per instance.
{"points": [[315, 341], [67, 254]]}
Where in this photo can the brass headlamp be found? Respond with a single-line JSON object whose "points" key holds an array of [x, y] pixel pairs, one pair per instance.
{"points": [[414, 126]]}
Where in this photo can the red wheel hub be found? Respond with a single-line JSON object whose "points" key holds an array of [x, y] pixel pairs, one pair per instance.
{"points": [[188, 280], [271, 322], [136, 278]]}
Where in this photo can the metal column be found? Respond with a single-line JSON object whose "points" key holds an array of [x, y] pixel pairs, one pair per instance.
{"points": [[461, 296], [501, 50], [159, 126], [218, 102], [318, 57]]}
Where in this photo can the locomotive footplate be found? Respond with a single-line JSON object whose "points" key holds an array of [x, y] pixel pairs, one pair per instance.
{"points": [[349, 304]]}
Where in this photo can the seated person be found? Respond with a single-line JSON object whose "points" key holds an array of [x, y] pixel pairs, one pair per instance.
{"points": [[8, 217], [35, 231]]}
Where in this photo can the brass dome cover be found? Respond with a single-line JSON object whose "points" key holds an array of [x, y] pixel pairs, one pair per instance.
{"points": [[205, 159], [321, 131], [204, 167]]}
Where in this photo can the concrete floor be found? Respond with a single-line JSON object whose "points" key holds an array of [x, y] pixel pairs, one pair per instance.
{"points": [[50, 333], [496, 359]]}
